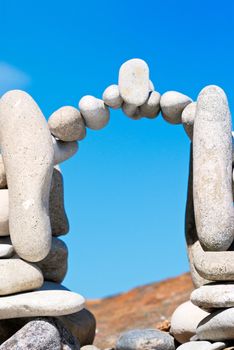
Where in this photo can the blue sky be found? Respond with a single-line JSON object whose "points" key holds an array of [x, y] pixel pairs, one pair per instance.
{"points": [[125, 190]]}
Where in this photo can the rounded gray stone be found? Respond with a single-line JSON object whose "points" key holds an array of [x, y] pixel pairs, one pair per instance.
{"points": [[212, 164], [218, 326], [58, 217], [67, 124], [134, 82], [172, 104], [202, 345], [28, 154], [95, 113], [145, 339], [151, 107], [188, 116], [82, 325], [42, 334], [54, 266], [184, 327], [214, 296], [111, 97]]}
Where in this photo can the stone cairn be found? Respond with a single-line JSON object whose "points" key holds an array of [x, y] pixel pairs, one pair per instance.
{"points": [[36, 311]]}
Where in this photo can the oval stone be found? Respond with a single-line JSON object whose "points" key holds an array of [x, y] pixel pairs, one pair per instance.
{"points": [[4, 212], [218, 326], [18, 276], [184, 327], [134, 82], [95, 113], [67, 124], [212, 164], [28, 154], [214, 296], [111, 97], [188, 116], [172, 104]]}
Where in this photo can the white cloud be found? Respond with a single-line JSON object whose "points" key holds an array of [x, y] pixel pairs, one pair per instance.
{"points": [[12, 78]]}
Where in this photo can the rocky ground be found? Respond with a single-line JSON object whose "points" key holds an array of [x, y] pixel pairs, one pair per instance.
{"points": [[149, 306]]}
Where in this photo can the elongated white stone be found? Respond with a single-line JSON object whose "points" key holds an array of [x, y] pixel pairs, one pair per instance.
{"points": [[172, 104], [28, 155], [214, 296], [212, 162], [111, 97], [188, 116], [134, 82], [151, 107], [94, 112], [51, 300], [67, 124]]}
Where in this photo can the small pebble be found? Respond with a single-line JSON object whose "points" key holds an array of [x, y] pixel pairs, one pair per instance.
{"points": [[67, 124], [111, 97], [134, 82], [151, 107], [94, 112], [172, 105]]}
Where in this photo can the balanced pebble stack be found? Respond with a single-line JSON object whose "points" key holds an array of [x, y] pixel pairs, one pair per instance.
{"points": [[33, 260]]}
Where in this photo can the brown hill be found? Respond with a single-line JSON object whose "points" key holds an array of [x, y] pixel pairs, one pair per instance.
{"points": [[149, 306]]}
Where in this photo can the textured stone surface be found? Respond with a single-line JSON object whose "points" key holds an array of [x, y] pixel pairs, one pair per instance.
{"points": [[51, 300], [28, 154], [202, 345], [54, 266], [58, 218], [145, 339], [212, 162], [134, 82], [18, 276], [82, 325], [94, 112], [172, 104], [4, 212], [89, 347], [111, 97], [151, 107], [188, 116], [41, 334], [6, 250], [63, 150], [3, 180], [184, 327], [67, 124], [218, 326], [214, 296]]}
